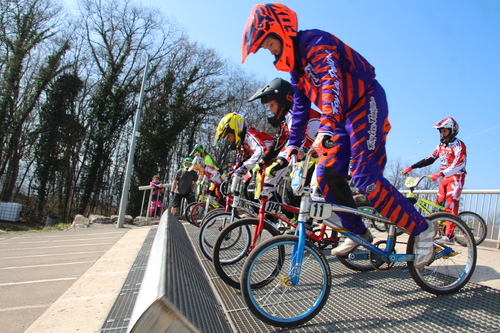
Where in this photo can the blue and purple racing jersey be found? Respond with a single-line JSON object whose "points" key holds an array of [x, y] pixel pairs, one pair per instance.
{"points": [[329, 74]]}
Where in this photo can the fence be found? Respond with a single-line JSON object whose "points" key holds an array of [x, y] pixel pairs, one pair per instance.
{"points": [[482, 202], [165, 203]]}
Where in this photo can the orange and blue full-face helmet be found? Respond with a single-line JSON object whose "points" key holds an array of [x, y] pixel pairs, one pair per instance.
{"points": [[271, 19], [452, 125]]}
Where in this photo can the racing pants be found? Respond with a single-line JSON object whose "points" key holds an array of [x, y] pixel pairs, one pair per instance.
{"points": [[449, 192], [360, 139]]}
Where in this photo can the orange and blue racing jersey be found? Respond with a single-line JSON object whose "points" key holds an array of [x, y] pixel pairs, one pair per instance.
{"points": [[452, 158], [329, 74]]}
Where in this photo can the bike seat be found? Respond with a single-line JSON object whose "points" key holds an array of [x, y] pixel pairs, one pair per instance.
{"points": [[412, 200]]}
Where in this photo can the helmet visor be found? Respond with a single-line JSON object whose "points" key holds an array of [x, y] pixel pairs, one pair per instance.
{"points": [[254, 33]]}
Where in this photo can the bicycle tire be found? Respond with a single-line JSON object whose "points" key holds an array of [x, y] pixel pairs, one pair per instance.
{"points": [[198, 211], [454, 264], [209, 231], [187, 211], [229, 253], [210, 214], [476, 224], [279, 302]]}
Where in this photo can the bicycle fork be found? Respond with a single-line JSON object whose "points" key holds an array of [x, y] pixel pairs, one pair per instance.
{"points": [[297, 254]]}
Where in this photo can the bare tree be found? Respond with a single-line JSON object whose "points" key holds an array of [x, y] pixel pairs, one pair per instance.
{"points": [[393, 173], [31, 57], [119, 35]]}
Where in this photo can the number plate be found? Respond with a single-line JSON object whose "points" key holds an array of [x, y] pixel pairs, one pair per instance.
{"points": [[320, 210], [273, 207]]}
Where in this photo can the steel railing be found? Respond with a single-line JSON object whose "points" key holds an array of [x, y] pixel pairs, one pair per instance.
{"points": [[165, 203], [482, 202]]}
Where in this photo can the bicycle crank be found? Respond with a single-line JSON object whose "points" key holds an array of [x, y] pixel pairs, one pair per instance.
{"points": [[380, 265]]}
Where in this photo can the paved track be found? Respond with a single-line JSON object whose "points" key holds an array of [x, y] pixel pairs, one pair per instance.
{"points": [[64, 281]]}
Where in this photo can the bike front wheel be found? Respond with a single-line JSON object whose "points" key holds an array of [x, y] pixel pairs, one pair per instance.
{"points": [[476, 224], [209, 231], [211, 213], [198, 211], [453, 265], [294, 292], [232, 246], [187, 211]]}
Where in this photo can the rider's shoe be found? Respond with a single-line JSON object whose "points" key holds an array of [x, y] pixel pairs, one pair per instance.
{"points": [[424, 246], [316, 195], [445, 240], [349, 244]]}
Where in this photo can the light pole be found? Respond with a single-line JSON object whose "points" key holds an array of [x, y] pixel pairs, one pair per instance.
{"points": [[130, 161]]}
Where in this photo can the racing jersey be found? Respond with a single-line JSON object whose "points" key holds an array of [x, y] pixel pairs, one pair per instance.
{"points": [[452, 156], [209, 161], [157, 189], [329, 74], [212, 174], [312, 126], [279, 140], [255, 145]]}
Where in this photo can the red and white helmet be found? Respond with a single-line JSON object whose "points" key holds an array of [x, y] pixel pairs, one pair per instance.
{"points": [[271, 19], [452, 125]]}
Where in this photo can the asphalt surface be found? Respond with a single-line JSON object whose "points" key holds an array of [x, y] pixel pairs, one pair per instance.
{"points": [[64, 281]]}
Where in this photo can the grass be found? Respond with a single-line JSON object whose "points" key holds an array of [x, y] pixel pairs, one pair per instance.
{"points": [[21, 227]]}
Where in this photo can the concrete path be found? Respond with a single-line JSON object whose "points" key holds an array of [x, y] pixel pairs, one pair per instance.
{"points": [[64, 281]]}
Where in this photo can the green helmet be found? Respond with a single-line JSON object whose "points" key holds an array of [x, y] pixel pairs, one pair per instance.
{"points": [[198, 149], [187, 160]]}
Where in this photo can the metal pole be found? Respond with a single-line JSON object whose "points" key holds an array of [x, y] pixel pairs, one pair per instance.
{"points": [[130, 162]]}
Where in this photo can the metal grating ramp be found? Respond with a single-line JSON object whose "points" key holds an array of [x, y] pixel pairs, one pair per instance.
{"points": [[186, 285], [118, 318], [373, 302]]}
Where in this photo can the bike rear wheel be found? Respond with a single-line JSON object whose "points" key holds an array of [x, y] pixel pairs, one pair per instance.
{"points": [[476, 224], [232, 247], [209, 231], [284, 301], [453, 265], [379, 226]]}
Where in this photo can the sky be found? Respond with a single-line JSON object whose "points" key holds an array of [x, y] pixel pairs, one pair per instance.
{"points": [[434, 59]]}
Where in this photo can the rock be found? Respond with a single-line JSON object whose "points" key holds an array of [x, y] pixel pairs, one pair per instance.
{"points": [[143, 221], [128, 219], [80, 221], [99, 219]]}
